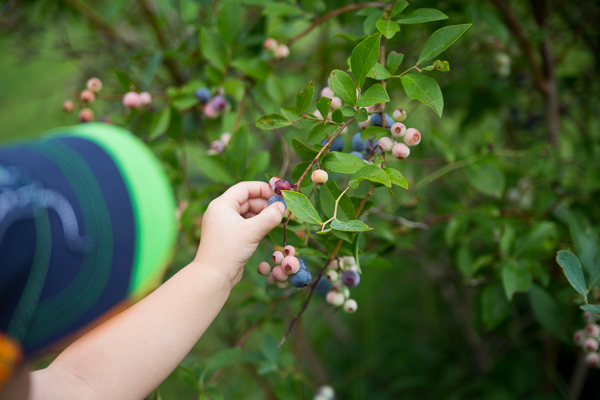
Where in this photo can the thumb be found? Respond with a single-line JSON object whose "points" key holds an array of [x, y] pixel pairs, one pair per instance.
{"points": [[267, 219]]}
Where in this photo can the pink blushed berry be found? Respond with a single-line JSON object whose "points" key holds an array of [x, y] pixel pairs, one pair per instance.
{"points": [[277, 257], [412, 137], [87, 96], [327, 92], [68, 106], [592, 330], [332, 276], [289, 250], [271, 279], [283, 284], [209, 111], [398, 130], [336, 103], [217, 146], [590, 345], [333, 265], [400, 150], [225, 138], [399, 115], [270, 44], [365, 124], [280, 185], [279, 274], [319, 176], [317, 114], [592, 360], [131, 100], [385, 144], [264, 268], [336, 299], [350, 306], [94, 84], [290, 265], [220, 103], [145, 98], [86, 115], [282, 51], [579, 337]]}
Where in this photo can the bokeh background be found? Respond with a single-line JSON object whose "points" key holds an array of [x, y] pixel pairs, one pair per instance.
{"points": [[461, 296]]}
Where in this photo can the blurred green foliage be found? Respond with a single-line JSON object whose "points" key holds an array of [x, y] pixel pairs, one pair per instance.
{"points": [[473, 306]]}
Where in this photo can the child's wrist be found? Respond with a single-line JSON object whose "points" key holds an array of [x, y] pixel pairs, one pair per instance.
{"points": [[217, 274]]}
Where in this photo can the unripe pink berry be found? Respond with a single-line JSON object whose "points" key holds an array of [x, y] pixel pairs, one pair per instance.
{"points": [[336, 103], [365, 124], [333, 265], [217, 146], [412, 137], [271, 279], [336, 299], [289, 250], [398, 130], [68, 106], [86, 115], [319, 176], [592, 360], [350, 306], [399, 115], [283, 284], [400, 150], [264, 268], [290, 265], [210, 111], [277, 257], [270, 44], [327, 92], [145, 98], [131, 100], [332, 276], [225, 138], [94, 84], [385, 143], [579, 337], [282, 51], [279, 274], [590, 345], [87, 96], [592, 330], [338, 286], [317, 114]]}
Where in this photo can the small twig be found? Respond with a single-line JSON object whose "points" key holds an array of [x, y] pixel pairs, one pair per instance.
{"points": [[337, 201], [364, 201], [400, 220]]}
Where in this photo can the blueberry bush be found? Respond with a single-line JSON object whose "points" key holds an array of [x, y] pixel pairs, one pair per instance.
{"points": [[460, 229]]}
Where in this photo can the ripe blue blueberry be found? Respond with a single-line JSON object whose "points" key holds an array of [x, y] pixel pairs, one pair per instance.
{"points": [[358, 154], [358, 143], [336, 145], [389, 121], [323, 287], [376, 119], [350, 278], [302, 264], [275, 198], [300, 278], [202, 94]]}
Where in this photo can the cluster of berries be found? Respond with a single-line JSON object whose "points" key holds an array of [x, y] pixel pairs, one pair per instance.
{"points": [[411, 136], [212, 107], [218, 146], [324, 392], [288, 269], [587, 339], [136, 100], [280, 51], [340, 275]]}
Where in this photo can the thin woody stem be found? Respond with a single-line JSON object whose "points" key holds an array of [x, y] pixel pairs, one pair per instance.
{"points": [[337, 201]]}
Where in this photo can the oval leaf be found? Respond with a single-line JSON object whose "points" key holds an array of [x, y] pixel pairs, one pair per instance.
{"points": [[371, 173], [424, 89], [441, 40], [350, 226], [323, 105], [373, 95], [343, 86], [344, 163], [364, 57], [387, 28], [301, 207], [573, 270], [304, 98], [422, 15], [303, 150], [396, 177], [272, 121]]}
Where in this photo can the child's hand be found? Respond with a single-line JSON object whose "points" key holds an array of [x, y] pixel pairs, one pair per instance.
{"points": [[234, 224]]}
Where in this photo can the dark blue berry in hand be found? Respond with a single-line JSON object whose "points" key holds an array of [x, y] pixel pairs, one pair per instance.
{"points": [[275, 198], [301, 278], [323, 287], [202, 94]]}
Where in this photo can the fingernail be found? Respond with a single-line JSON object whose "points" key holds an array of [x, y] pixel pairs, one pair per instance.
{"points": [[281, 206]]}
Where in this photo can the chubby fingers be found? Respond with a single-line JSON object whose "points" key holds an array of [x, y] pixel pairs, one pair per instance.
{"points": [[253, 205], [241, 192]]}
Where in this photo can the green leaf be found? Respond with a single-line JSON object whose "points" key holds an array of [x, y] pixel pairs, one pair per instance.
{"points": [[160, 123], [362, 115], [299, 170], [372, 173], [272, 121], [396, 177], [442, 66], [376, 132], [364, 56], [337, 116], [387, 28], [350, 226], [573, 270], [321, 131], [257, 166], [343, 86], [378, 72], [221, 359], [595, 308], [348, 37], [550, 314], [516, 278], [215, 169], [276, 88], [344, 163], [349, 111], [345, 204], [291, 113], [237, 151], [152, 67], [303, 150], [534, 239], [441, 40], [281, 9], [213, 48], [301, 206], [422, 15], [229, 20], [393, 61], [323, 105], [304, 98], [174, 131], [424, 89], [124, 79], [494, 306], [399, 7], [370, 24], [254, 67], [486, 178], [270, 350], [327, 197], [373, 95]]}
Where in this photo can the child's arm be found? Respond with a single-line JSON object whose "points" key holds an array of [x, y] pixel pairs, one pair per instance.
{"points": [[130, 355]]}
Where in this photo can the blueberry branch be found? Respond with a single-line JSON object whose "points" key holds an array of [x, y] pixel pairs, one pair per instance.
{"points": [[334, 209]]}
